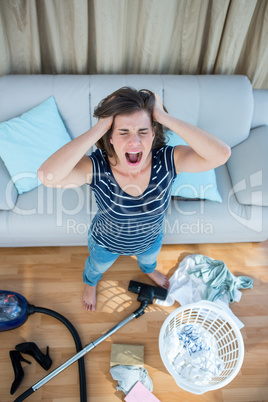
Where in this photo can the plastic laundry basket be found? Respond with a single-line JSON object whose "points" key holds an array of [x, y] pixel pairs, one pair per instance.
{"points": [[218, 323]]}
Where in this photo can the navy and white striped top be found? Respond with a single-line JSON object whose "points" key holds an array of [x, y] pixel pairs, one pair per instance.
{"points": [[125, 224]]}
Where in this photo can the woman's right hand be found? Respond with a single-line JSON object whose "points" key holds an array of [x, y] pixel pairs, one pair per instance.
{"points": [[69, 166], [106, 122]]}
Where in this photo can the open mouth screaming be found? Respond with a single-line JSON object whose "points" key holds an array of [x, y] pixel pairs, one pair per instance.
{"points": [[133, 158]]}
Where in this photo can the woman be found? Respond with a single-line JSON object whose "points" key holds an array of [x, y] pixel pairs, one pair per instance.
{"points": [[131, 175]]}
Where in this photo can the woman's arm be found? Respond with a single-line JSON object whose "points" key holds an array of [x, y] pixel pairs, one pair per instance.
{"points": [[69, 167], [205, 151]]}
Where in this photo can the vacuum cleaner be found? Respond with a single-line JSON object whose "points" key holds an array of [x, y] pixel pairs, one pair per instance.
{"points": [[14, 310]]}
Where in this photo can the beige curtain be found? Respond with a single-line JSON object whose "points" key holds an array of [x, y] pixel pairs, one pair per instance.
{"points": [[135, 37]]}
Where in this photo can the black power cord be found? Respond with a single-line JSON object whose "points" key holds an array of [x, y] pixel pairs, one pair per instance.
{"points": [[81, 364]]}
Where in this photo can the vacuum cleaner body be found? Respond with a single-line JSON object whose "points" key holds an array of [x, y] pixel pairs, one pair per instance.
{"points": [[13, 310]]}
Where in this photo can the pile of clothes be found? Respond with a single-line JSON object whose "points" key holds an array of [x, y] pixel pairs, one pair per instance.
{"points": [[193, 352], [127, 367], [202, 278]]}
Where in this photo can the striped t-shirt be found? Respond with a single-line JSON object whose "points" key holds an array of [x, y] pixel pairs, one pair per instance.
{"points": [[125, 224]]}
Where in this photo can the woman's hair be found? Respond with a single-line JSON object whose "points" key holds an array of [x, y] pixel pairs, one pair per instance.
{"points": [[125, 101]]}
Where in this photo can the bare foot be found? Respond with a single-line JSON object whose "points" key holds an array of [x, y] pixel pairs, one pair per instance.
{"points": [[159, 278], [89, 298]]}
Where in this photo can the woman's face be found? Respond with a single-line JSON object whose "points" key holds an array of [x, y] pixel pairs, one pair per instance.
{"points": [[132, 139]]}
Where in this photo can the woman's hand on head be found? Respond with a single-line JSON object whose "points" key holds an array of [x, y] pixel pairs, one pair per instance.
{"points": [[106, 122], [158, 109]]}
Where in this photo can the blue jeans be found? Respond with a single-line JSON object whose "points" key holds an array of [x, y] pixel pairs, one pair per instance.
{"points": [[100, 259]]}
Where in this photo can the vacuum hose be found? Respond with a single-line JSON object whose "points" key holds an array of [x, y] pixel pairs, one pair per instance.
{"points": [[82, 377]]}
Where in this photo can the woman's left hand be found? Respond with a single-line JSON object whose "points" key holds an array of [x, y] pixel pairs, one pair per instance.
{"points": [[158, 108]]}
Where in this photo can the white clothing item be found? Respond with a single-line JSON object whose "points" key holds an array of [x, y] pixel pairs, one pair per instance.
{"points": [[127, 376], [193, 352], [187, 289]]}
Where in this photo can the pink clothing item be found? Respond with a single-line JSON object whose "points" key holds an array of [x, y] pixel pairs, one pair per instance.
{"points": [[140, 393]]}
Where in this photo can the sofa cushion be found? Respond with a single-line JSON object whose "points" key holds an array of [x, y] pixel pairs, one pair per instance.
{"points": [[28, 140], [219, 104], [48, 216], [201, 185], [248, 168]]}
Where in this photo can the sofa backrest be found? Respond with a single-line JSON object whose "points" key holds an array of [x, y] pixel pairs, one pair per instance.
{"points": [[220, 104]]}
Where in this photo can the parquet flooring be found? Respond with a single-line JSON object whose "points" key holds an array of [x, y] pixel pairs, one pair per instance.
{"points": [[52, 277]]}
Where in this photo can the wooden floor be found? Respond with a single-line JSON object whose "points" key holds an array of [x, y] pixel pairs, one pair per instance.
{"points": [[52, 278]]}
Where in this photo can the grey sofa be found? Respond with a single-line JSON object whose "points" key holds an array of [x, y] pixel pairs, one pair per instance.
{"points": [[226, 106]]}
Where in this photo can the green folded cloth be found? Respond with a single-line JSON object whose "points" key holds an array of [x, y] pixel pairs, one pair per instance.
{"points": [[219, 280]]}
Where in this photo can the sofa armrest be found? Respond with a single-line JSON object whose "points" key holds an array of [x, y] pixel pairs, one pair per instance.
{"points": [[260, 114], [248, 168], [8, 191]]}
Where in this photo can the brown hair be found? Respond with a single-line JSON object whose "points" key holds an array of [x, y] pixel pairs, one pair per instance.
{"points": [[125, 101]]}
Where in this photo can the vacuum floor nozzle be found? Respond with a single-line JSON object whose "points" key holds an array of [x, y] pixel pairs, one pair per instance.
{"points": [[147, 292]]}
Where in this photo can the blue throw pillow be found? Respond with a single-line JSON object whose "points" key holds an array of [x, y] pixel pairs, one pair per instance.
{"points": [[201, 185], [28, 140]]}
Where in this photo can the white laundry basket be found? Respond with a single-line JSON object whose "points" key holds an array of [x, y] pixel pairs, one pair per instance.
{"points": [[218, 323]]}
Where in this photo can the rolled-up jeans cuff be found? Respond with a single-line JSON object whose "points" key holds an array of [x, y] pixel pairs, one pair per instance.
{"points": [[148, 269], [92, 281]]}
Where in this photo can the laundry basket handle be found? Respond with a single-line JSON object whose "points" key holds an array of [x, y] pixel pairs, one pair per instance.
{"points": [[206, 303]]}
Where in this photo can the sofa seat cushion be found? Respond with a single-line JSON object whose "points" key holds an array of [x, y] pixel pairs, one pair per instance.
{"points": [[48, 216], [28, 140], [248, 168], [193, 222]]}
